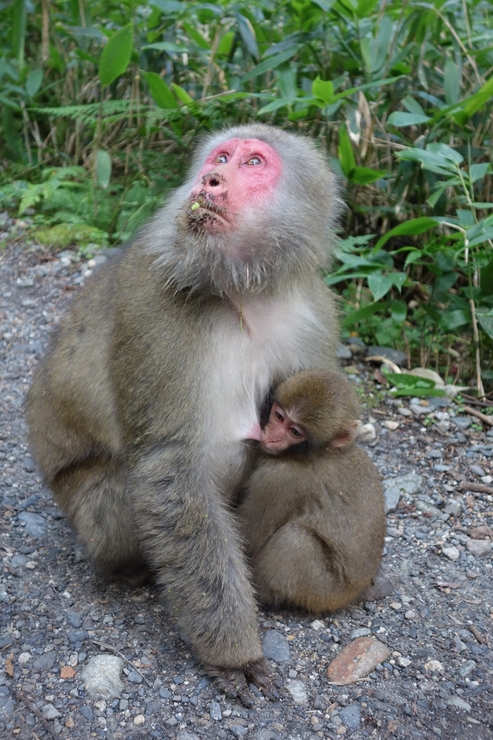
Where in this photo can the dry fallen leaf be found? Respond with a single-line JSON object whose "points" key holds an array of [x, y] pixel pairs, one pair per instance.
{"points": [[9, 667], [357, 660], [67, 672]]}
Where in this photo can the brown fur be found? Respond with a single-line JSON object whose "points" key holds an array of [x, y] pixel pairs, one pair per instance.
{"points": [[314, 518], [168, 344]]}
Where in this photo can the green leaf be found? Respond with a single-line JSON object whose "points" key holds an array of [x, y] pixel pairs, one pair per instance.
{"points": [[452, 320], [412, 105], [412, 385], [103, 168], [116, 55], [365, 175], [428, 161], [323, 90], [408, 228], [478, 171], [33, 82], [267, 64], [182, 94], [413, 256], [446, 151], [225, 44], [486, 280], [451, 82], [361, 314], [486, 321], [169, 6], [400, 119], [478, 100], [196, 36], [168, 46], [247, 34], [380, 284], [161, 94], [345, 151]]}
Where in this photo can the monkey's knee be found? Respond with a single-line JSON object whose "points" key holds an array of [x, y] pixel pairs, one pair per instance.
{"points": [[297, 567], [92, 494]]}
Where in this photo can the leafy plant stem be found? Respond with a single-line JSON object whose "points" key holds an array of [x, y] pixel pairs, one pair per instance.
{"points": [[479, 380], [464, 49]]}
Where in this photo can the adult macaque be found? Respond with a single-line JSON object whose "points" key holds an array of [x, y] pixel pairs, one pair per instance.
{"points": [[313, 509], [155, 377]]}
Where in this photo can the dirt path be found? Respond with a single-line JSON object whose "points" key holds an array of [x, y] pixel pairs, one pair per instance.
{"points": [[437, 682]]}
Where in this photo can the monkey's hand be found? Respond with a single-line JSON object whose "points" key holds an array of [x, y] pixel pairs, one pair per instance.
{"points": [[233, 682]]}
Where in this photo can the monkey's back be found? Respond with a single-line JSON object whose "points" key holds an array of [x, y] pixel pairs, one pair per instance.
{"points": [[335, 495]]}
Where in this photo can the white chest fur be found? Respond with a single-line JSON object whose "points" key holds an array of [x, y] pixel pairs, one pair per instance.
{"points": [[262, 340]]}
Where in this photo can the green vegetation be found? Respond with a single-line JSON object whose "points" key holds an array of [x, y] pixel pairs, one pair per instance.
{"points": [[101, 102]]}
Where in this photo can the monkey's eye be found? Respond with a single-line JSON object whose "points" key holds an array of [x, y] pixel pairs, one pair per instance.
{"points": [[278, 415], [253, 161], [221, 158], [295, 432]]}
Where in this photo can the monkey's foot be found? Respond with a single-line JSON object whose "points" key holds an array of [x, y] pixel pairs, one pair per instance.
{"points": [[233, 682]]}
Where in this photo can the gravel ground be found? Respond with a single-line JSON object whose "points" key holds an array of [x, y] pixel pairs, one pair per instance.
{"points": [[56, 616]]}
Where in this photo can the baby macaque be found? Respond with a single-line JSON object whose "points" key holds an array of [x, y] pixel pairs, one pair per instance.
{"points": [[313, 509]]}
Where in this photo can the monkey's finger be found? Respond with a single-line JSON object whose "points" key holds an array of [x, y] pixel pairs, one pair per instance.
{"points": [[260, 674], [233, 683]]}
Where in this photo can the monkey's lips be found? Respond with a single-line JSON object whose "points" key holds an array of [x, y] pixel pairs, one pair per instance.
{"points": [[205, 214]]}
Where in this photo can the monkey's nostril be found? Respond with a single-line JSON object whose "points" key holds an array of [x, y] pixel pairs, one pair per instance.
{"points": [[214, 182]]}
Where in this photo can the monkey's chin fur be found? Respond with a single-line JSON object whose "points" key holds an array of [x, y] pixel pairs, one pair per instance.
{"points": [[197, 257]]}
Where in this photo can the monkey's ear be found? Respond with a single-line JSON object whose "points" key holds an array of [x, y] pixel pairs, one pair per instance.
{"points": [[346, 438]]}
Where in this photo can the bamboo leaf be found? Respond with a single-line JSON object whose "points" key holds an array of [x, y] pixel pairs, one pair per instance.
{"points": [[116, 55]]}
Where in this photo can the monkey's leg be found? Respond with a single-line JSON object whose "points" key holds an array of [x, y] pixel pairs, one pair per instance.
{"points": [[296, 566], [92, 494], [189, 539]]}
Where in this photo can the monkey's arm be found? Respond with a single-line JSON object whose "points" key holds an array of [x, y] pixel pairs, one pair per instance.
{"points": [[190, 542]]}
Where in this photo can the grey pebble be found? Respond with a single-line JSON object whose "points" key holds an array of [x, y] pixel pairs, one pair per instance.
{"points": [[165, 693], [463, 422], [360, 632], [351, 716], [442, 468], [18, 561], [453, 508], [467, 668], [7, 704], [477, 470], [36, 525], [298, 691], [394, 355], [50, 712], [101, 676], [391, 498], [26, 283], [427, 508], [45, 661], [479, 548], [275, 646], [87, 712], [77, 636], [238, 730], [215, 711], [456, 701], [186, 736], [133, 676], [409, 483], [267, 735], [343, 352], [74, 619]]}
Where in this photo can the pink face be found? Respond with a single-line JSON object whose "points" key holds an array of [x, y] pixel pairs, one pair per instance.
{"points": [[237, 175], [281, 431]]}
